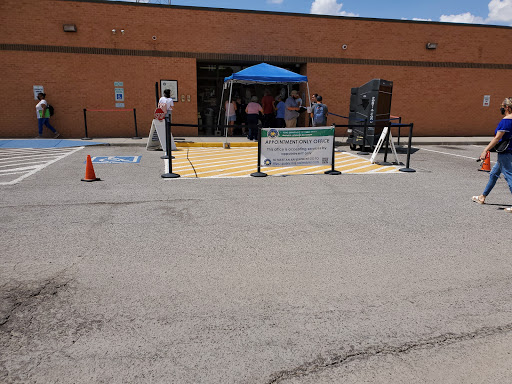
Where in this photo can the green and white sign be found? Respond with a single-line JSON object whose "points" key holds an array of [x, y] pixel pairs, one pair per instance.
{"points": [[292, 147]]}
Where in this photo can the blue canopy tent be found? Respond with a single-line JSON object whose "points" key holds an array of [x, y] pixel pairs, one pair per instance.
{"points": [[261, 74], [265, 74]]}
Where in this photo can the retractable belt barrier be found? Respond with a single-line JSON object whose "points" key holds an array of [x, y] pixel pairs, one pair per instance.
{"points": [[320, 139], [111, 110], [386, 139]]}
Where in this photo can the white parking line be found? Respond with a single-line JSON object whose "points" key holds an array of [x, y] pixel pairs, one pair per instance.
{"points": [[30, 170], [445, 153]]}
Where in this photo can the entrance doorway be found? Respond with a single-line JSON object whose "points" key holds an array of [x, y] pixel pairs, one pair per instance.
{"points": [[210, 79]]}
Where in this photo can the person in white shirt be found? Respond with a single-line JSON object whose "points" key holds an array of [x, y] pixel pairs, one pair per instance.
{"points": [[43, 116], [166, 103]]}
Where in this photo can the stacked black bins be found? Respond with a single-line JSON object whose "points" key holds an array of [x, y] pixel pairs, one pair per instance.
{"points": [[369, 103]]}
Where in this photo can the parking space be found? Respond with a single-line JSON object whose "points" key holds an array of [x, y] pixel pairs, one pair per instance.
{"points": [[241, 162], [18, 164]]}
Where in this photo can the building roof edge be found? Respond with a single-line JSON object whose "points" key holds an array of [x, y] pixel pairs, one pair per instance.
{"points": [[209, 9]]}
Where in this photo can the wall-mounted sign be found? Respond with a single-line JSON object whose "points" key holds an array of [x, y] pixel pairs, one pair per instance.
{"points": [[487, 100], [118, 83], [119, 94], [172, 85], [37, 89]]}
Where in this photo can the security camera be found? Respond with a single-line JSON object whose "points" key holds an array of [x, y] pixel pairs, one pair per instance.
{"points": [[113, 31], [344, 46], [154, 37], [122, 31]]}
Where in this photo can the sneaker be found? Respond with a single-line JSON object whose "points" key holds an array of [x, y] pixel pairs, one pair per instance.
{"points": [[56, 135], [477, 199]]}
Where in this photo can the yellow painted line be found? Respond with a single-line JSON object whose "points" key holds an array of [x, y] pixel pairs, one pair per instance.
{"points": [[217, 162], [223, 166], [249, 169], [239, 156], [216, 144], [367, 168], [209, 164]]}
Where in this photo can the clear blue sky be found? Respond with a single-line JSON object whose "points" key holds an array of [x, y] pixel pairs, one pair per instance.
{"points": [[496, 12]]}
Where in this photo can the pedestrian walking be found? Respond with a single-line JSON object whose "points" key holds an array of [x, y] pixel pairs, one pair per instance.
{"points": [[502, 138], [43, 116], [166, 104]]}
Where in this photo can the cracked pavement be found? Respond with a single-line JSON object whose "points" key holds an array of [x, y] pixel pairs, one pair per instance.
{"points": [[305, 279]]}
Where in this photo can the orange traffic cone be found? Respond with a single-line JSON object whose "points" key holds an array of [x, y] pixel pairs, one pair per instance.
{"points": [[89, 171], [486, 164]]}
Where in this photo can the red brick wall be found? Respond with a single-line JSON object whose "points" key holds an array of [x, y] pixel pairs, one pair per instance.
{"points": [[73, 82], [439, 100]]}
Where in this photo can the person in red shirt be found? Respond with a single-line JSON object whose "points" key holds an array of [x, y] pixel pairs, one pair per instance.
{"points": [[267, 103]]}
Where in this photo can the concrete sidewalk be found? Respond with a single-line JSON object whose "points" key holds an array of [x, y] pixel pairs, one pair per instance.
{"points": [[216, 141]]}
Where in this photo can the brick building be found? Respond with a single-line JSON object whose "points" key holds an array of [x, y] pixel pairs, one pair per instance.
{"points": [[441, 90]]}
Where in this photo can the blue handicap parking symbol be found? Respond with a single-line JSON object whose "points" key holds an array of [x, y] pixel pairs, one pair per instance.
{"points": [[116, 159]]}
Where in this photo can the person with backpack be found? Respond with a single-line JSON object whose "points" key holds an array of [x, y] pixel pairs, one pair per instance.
{"points": [[319, 113], [166, 103], [43, 113]]}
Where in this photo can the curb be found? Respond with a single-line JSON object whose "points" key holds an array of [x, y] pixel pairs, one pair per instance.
{"points": [[215, 144], [255, 145]]}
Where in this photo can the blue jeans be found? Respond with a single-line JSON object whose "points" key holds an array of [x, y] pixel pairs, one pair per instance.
{"points": [[503, 165], [45, 121]]}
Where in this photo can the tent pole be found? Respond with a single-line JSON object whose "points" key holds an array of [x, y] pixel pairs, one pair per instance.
{"points": [[227, 111], [309, 99], [220, 107]]}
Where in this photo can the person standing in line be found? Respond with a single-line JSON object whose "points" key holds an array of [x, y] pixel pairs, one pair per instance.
{"points": [[267, 103], [43, 116], [313, 102], [291, 113], [280, 111], [240, 114], [231, 114], [319, 113], [166, 104], [504, 163], [253, 111]]}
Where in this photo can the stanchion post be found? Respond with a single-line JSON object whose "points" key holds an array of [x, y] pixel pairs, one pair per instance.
{"points": [[409, 145], [135, 121], [85, 124], [258, 173], [385, 162], [363, 151], [333, 171], [168, 127], [399, 126]]}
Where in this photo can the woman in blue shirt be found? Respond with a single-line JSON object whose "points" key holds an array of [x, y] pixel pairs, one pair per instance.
{"points": [[504, 163], [279, 108]]}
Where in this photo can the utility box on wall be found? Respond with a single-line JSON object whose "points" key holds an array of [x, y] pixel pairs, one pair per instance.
{"points": [[369, 104]]}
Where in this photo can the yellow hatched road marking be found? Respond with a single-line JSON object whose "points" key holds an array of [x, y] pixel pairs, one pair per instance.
{"points": [[241, 162]]}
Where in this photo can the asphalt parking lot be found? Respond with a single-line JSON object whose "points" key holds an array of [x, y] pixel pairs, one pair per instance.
{"points": [[357, 278]]}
